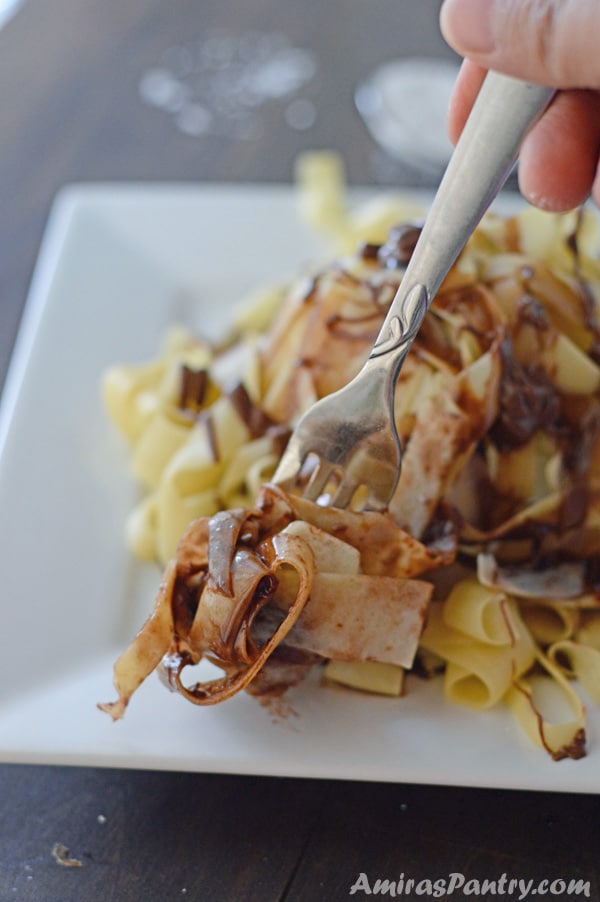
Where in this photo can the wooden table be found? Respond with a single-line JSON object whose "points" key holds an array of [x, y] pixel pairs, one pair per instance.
{"points": [[71, 110]]}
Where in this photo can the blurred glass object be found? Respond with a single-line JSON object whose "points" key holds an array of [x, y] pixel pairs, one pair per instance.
{"points": [[404, 105], [218, 83], [7, 10]]}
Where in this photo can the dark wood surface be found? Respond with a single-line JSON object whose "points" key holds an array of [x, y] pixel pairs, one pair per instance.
{"points": [[70, 110]]}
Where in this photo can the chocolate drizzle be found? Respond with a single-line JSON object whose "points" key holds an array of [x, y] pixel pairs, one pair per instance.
{"points": [[528, 402], [193, 386], [586, 295], [252, 415], [399, 246]]}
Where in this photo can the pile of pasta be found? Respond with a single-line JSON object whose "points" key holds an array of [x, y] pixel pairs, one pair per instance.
{"points": [[485, 567]]}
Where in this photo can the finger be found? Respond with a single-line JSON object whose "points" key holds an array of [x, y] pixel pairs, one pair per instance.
{"points": [[465, 91], [596, 187], [552, 42], [559, 156]]}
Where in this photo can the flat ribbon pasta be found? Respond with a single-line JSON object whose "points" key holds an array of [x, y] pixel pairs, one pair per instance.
{"points": [[583, 664], [498, 412], [247, 659], [539, 704], [478, 674], [244, 587], [147, 649]]}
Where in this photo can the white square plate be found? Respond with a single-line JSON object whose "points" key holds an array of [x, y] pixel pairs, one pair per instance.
{"points": [[118, 265]]}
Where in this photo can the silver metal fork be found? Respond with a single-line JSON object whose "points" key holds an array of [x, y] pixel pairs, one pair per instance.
{"points": [[350, 435]]}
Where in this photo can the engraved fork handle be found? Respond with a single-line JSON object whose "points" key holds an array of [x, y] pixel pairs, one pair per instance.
{"points": [[487, 149]]}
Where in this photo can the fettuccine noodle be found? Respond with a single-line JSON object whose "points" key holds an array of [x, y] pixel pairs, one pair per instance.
{"points": [[485, 566]]}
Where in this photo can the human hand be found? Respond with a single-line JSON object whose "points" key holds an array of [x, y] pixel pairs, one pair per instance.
{"points": [[553, 42]]}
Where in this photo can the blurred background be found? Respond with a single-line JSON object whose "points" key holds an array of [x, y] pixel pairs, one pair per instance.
{"points": [[150, 90]]}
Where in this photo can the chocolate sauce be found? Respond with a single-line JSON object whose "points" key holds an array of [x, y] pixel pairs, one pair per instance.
{"points": [[212, 436], [369, 252], [252, 415], [192, 388], [399, 245], [533, 313], [528, 401], [592, 574], [311, 289], [586, 295], [574, 507], [280, 436]]}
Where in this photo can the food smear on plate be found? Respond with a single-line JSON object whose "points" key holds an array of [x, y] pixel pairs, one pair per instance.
{"points": [[483, 572]]}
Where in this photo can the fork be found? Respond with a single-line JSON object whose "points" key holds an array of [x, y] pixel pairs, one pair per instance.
{"points": [[350, 436]]}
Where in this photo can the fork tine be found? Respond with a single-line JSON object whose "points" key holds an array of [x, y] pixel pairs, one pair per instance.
{"points": [[318, 480], [344, 493]]}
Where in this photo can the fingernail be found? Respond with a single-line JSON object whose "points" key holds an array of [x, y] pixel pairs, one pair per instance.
{"points": [[467, 25]]}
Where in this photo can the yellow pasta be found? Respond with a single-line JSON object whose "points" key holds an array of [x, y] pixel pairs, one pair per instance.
{"points": [[478, 673], [257, 453], [550, 621], [583, 664], [161, 438], [480, 613], [129, 394], [321, 191], [550, 711], [140, 529], [589, 629], [497, 408], [367, 676]]}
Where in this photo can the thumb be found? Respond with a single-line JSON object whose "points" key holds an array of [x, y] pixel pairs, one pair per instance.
{"points": [[552, 42]]}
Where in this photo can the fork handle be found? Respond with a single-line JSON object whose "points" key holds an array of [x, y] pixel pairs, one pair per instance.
{"points": [[503, 112]]}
